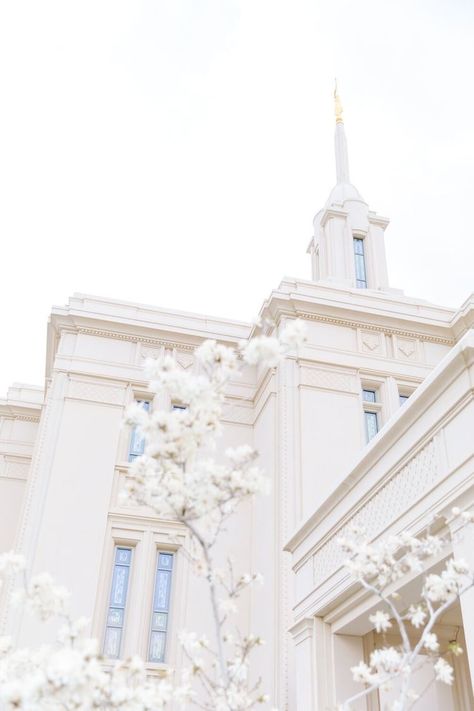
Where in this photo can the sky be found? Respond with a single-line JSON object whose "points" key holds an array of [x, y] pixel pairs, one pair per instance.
{"points": [[174, 152]]}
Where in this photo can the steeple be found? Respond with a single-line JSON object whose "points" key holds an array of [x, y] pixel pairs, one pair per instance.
{"points": [[347, 248], [340, 142]]}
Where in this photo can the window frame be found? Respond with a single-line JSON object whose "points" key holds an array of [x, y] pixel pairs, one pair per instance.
{"points": [[112, 577], [373, 406], [360, 240], [146, 537], [132, 455], [168, 610]]}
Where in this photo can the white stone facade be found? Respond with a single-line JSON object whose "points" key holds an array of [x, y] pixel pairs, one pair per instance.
{"points": [[63, 453]]}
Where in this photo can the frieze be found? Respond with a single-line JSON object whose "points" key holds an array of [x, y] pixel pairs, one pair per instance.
{"points": [[148, 340], [395, 497], [407, 348], [370, 341], [238, 414], [373, 327], [18, 416], [150, 352], [16, 469], [328, 379], [96, 392]]}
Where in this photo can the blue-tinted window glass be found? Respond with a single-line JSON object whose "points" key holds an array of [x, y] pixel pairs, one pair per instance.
{"points": [[359, 262], [118, 599], [161, 605], [137, 441], [371, 424], [403, 399], [369, 395]]}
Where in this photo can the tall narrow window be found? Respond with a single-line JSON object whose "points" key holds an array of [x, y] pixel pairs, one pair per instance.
{"points": [[137, 441], [161, 607], [359, 261], [117, 602], [370, 413]]}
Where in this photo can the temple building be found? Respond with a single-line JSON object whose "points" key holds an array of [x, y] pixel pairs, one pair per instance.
{"points": [[370, 424]]}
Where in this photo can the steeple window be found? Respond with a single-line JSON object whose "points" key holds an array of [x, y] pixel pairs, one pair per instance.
{"points": [[359, 261]]}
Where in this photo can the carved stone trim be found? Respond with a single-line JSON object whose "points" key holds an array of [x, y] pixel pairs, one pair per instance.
{"points": [[96, 392], [102, 333], [372, 327], [150, 352], [406, 348], [15, 467], [23, 418], [328, 379], [395, 496], [370, 342], [238, 414]]}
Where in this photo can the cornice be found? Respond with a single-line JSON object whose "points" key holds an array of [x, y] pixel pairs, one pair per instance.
{"points": [[332, 212], [14, 413], [379, 220], [134, 338], [352, 323]]}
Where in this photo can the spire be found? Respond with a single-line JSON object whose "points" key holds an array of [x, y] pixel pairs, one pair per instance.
{"points": [[340, 143]]}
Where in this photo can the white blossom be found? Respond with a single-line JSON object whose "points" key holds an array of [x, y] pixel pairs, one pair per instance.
{"points": [[416, 615], [261, 349], [431, 642], [294, 334], [379, 564], [227, 605], [381, 621], [443, 671]]}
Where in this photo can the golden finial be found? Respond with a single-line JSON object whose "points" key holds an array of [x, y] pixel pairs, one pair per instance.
{"points": [[337, 104]]}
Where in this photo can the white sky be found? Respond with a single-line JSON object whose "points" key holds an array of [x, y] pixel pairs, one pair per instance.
{"points": [[174, 152]]}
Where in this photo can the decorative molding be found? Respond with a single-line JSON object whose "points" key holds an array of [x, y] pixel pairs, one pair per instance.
{"points": [[378, 220], [394, 497], [96, 392], [372, 327], [328, 379], [370, 341], [184, 359], [18, 416], [238, 413], [102, 333], [16, 468], [149, 352], [407, 347], [288, 396], [330, 212]]}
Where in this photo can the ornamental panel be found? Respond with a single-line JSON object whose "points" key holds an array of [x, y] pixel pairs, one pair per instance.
{"points": [[96, 392], [328, 379], [370, 342], [238, 414], [396, 495], [406, 348], [17, 470], [150, 352]]}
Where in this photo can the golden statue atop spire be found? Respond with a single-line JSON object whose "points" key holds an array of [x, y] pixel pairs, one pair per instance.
{"points": [[337, 104]]}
